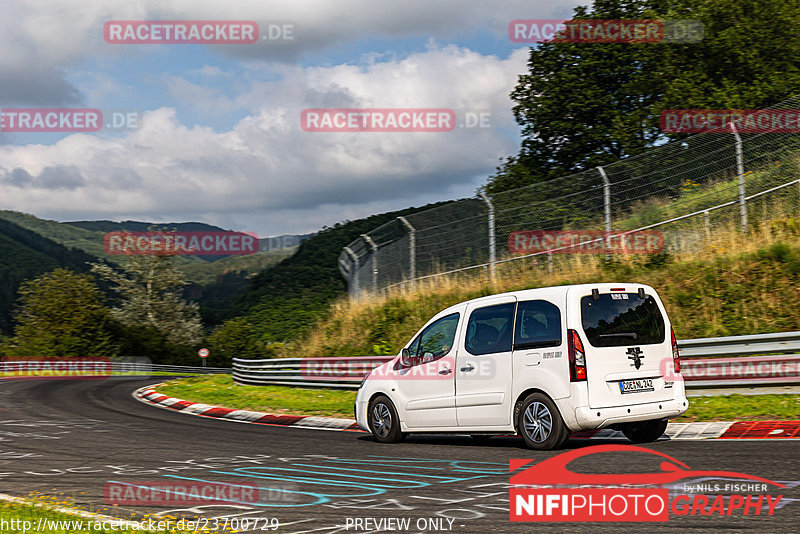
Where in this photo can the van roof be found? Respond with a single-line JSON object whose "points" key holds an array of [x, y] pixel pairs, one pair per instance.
{"points": [[553, 291]]}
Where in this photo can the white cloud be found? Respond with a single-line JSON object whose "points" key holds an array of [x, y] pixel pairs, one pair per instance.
{"points": [[40, 40], [266, 170]]}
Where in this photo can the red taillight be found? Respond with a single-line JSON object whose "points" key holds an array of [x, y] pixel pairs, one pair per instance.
{"points": [[676, 357], [577, 357]]}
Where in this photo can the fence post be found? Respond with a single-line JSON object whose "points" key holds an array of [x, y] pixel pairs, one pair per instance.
{"points": [[606, 205], [798, 186], [492, 250], [708, 224], [354, 275], [374, 247], [740, 171], [412, 248]]}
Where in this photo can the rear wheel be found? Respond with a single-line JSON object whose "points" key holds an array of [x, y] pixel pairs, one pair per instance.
{"points": [[644, 431], [539, 423], [383, 421]]}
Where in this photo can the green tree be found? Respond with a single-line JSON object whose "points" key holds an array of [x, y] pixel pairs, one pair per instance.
{"points": [[581, 105], [236, 338], [61, 314], [149, 287]]}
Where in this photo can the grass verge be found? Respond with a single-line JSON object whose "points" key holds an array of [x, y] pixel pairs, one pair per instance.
{"points": [[731, 284], [742, 408], [220, 390], [24, 518]]}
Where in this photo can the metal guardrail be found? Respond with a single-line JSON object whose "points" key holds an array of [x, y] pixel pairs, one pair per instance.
{"points": [[735, 361], [755, 360], [785, 342], [340, 373], [146, 368], [93, 368]]}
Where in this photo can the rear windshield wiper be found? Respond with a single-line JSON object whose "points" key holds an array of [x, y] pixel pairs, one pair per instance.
{"points": [[621, 334]]}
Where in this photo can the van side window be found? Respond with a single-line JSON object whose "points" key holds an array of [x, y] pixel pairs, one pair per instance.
{"points": [[436, 340], [489, 329], [538, 325]]}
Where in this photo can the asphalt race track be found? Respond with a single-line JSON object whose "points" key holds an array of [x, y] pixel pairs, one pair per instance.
{"points": [[74, 437]]}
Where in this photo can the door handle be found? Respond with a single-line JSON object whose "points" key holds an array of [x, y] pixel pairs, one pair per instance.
{"points": [[468, 368], [445, 372]]}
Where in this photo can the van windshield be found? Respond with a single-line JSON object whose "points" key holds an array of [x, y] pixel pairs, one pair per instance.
{"points": [[622, 319]]}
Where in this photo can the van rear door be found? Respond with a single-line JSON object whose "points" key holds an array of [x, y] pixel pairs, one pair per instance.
{"points": [[627, 342]]}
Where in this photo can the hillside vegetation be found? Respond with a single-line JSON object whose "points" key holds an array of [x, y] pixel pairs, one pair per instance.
{"points": [[87, 236], [732, 284], [25, 255], [283, 302]]}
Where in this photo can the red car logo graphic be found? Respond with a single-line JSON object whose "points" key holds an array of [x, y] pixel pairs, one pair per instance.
{"points": [[554, 471]]}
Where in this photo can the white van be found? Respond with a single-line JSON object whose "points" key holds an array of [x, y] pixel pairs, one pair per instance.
{"points": [[541, 363]]}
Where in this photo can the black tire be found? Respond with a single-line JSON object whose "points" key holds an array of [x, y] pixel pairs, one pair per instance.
{"points": [[539, 423], [383, 421], [644, 431]]}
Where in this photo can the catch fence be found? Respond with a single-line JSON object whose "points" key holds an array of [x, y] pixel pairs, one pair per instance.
{"points": [[667, 199]]}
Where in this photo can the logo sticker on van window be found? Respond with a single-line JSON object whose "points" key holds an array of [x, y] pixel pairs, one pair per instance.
{"points": [[635, 355], [619, 296]]}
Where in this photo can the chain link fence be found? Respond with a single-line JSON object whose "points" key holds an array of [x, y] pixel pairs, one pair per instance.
{"points": [[667, 198]]}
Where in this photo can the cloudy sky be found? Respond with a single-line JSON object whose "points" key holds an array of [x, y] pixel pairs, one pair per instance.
{"points": [[218, 136]]}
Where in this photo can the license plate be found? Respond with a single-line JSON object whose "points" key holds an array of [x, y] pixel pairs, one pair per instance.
{"points": [[636, 386]]}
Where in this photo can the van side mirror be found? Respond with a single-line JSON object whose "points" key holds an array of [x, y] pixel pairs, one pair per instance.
{"points": [[405, 358]]}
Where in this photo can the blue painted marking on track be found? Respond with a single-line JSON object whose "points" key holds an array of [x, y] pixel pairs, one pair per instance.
{"points": [[348, 484], [430, 460], [404, 473], [195, 496], [457, 464], [250, 472], [395, 473], [321, 498]]}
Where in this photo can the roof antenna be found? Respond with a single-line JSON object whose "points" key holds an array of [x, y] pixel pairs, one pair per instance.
{"points": [[595, 294]]}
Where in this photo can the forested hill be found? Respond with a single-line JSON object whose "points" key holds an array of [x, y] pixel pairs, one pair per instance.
{"points": [[283, 300], [141, 226], [24, 255]]}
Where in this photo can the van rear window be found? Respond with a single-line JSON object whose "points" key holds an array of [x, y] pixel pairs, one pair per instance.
{"points": [[622, 319]]}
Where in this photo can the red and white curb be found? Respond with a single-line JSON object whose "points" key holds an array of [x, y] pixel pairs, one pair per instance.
{"points": [[149, 395], [739, 430]]}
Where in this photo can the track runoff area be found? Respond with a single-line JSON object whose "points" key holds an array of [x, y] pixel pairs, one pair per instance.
{"points": [[91, 443]]}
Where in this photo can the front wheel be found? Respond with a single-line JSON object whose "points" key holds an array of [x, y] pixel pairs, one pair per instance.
{"points": [[644, 431], [383, 421], [539, 423]]}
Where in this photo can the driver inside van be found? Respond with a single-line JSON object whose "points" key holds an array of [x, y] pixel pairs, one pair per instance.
{"points": [[535, 330]]}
